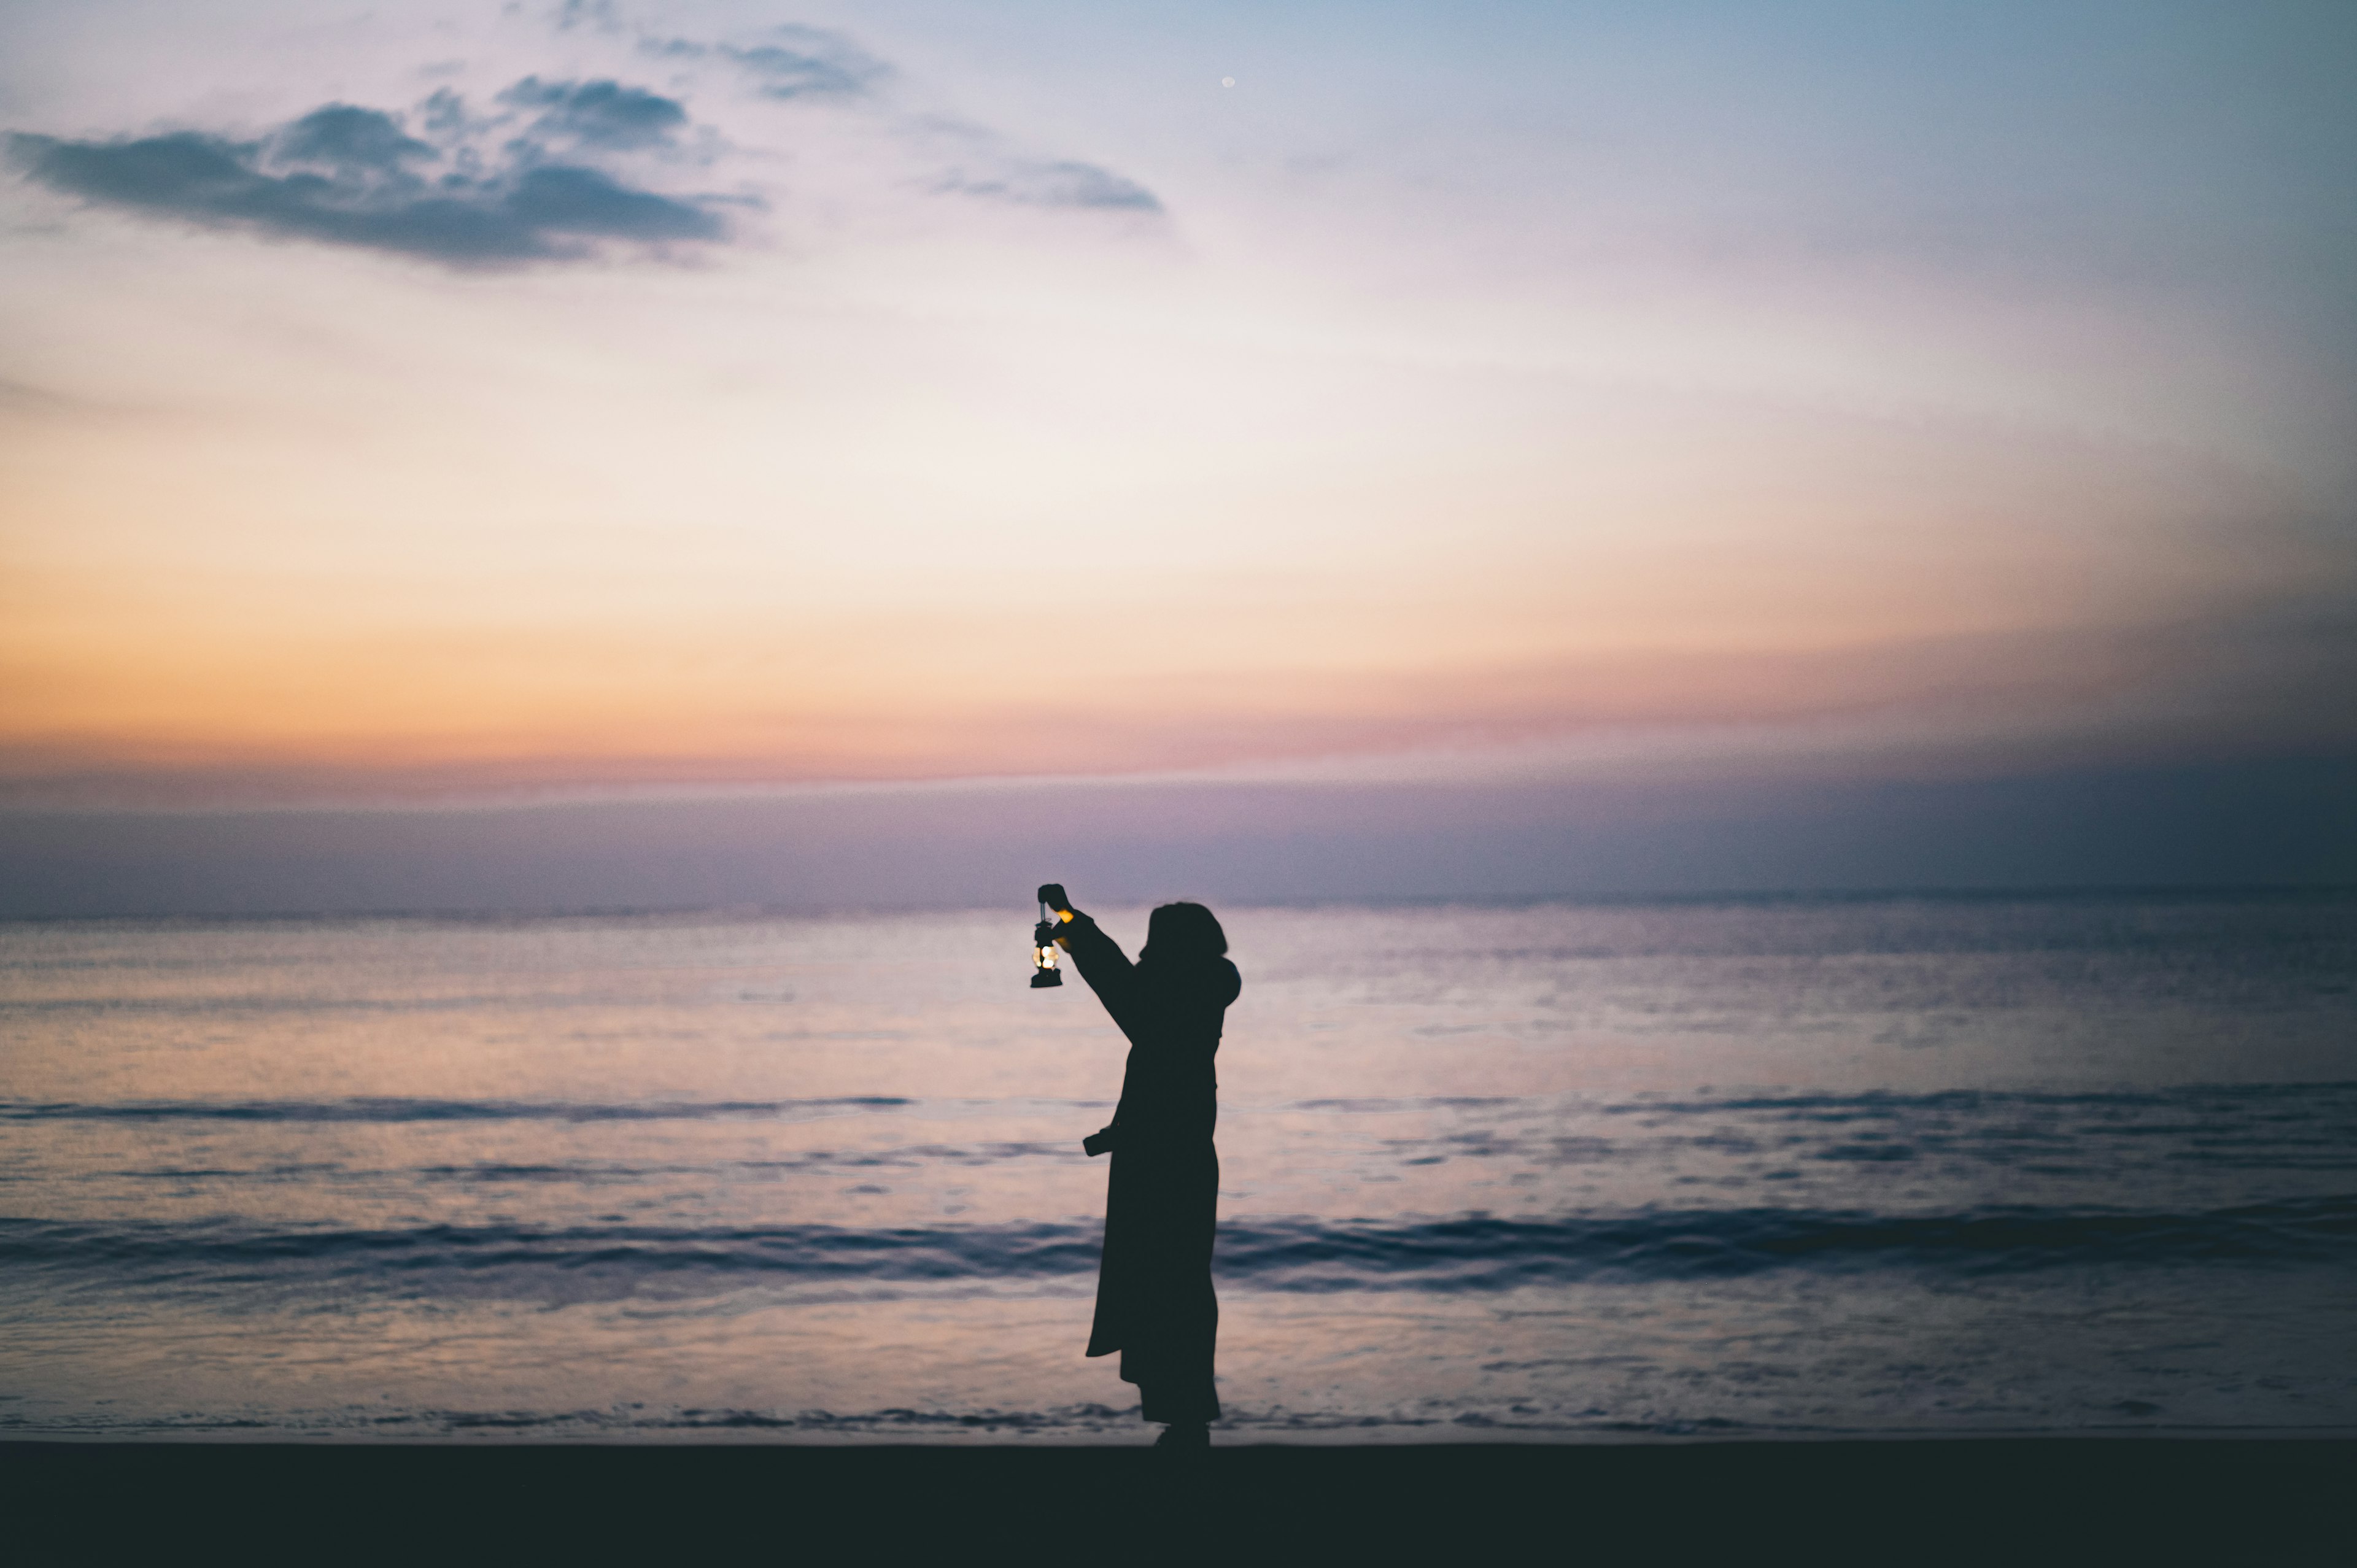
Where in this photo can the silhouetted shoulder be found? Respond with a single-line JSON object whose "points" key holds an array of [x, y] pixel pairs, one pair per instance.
{"points": [[1200, 984]]}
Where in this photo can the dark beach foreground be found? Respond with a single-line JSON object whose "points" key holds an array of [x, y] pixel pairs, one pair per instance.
{"points": [[2090, 1499]]}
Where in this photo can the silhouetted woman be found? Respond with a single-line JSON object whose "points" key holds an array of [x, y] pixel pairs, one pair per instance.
{"points": [[1154, 1288]]}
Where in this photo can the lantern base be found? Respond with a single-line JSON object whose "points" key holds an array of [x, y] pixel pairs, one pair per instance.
{"points": [[1042, 978]]}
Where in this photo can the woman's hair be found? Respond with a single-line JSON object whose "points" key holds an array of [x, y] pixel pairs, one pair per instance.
{"points": [[1185, 934]]}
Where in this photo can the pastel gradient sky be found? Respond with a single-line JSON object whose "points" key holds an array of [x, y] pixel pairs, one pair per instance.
{"points": [[426, 402]]}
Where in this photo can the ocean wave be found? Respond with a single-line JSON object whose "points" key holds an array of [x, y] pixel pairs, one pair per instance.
{"points": [[2110, 1111], [1888, 1103], [1479, 1252], [1471, 1252], [399, 1109]]}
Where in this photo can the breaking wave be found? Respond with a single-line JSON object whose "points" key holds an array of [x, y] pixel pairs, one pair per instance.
{"points": [[1471, 1252]]}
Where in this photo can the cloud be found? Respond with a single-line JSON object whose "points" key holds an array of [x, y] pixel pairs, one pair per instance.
{"points": [[554, 168], [346, 138], [599, 114], [562, 199], [973, 160], [24, 398], [352, 176], [1063, 183], [809, 62], [812, 62], [597, 13]]}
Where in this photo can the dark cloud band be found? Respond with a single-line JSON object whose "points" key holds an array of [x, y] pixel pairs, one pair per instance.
{"points": [[350, 176]]}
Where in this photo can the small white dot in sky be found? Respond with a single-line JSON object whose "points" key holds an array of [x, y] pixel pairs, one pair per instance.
{"points": [[1227, 82]]}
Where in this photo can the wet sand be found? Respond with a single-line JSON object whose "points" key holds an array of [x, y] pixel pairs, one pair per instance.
{"points": [[2248, 1499]]}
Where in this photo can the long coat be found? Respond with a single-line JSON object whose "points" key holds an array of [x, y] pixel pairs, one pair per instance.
{"points": [[1155, 1304]]}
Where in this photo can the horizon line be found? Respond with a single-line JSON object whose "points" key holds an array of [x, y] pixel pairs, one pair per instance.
{"points": [[1994, 893]]}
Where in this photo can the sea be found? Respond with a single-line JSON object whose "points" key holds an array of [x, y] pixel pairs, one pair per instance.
{"points": [[1770, 1167]]}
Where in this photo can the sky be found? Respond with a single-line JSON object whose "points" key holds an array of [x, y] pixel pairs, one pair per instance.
{"points": [[1526, 414]]}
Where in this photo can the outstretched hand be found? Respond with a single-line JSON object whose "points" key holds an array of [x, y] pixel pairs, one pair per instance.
{"points": [[1052, 895]]}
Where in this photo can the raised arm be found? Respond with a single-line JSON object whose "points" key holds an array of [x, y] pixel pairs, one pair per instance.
{"points": [[1097, 956]]}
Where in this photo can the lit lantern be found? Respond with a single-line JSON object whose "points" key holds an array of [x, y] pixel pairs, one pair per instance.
{"points": [[1054, 910], [1045, 970], [1043, 956]]}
